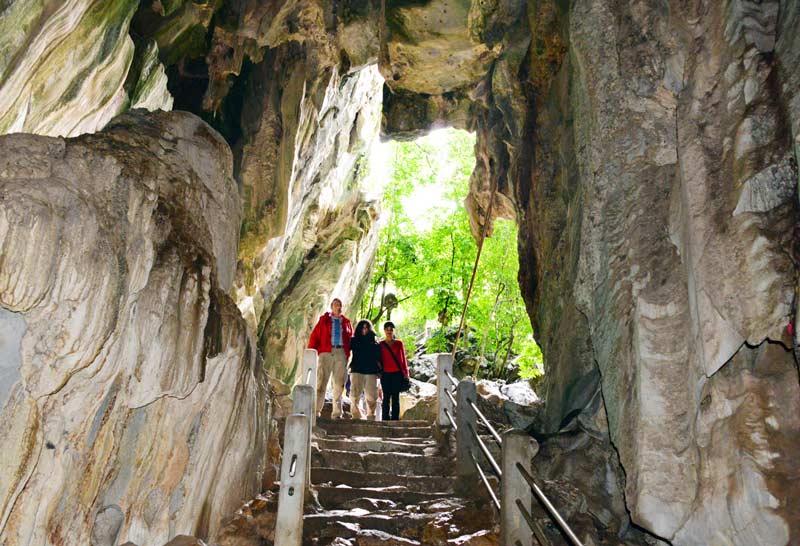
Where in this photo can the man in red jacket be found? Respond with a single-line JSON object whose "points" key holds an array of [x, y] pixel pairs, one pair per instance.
{"points": [[331, 338]]}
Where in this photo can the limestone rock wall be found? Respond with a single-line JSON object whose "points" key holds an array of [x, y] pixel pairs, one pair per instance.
{"points": [[313, 178], [133, 404], [648, 150], [658, 253], [64, 66], [294, 89], [326, 244]]}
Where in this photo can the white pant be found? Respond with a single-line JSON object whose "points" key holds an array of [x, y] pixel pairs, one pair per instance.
{"points": [[333, 366], [368, 384]]}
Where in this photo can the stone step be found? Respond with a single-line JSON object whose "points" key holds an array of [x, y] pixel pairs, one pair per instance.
{"points": [[366, 537], [335, 497], [405, 439], [348, 523], [368, 428], [361, 444], [358, 479], [398, 463], [401, 423]]}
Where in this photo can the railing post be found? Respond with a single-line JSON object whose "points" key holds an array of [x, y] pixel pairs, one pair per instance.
{"points": [[444, 363], [518, 447], [466, 421], [309, 377], [296, 444], [303, 400]]}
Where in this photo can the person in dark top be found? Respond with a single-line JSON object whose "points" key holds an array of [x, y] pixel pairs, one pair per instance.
{"points": [[365, 368], [395, 372]]}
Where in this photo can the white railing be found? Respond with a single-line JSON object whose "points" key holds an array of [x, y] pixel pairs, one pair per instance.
{"points": [[461, 413], [296, 460]]}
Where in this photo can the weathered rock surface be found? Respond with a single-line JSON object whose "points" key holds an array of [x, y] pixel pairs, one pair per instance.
{"points": [[579, 472], [294, 89], [326, 243], [133, 407], [63, 67], [655, 188]]}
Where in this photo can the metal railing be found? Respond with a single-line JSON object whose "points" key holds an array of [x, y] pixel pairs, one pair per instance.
{"points": [[518, 527], [297, 455]]}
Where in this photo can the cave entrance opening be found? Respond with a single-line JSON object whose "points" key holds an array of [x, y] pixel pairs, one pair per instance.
{"points": [[425, 258]]}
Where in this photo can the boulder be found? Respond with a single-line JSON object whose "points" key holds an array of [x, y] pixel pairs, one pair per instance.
{"points": [[422, 368], [134, 404]]}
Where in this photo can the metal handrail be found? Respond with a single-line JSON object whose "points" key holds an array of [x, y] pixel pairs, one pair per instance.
{"points": [[486, 423], [549, 506], [519, 493], [533, 524], [452, 379], [450, 418], [486, 452], [485, 481]]}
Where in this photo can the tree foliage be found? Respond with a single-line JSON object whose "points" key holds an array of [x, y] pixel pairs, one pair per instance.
{"points": [[426, 255]]}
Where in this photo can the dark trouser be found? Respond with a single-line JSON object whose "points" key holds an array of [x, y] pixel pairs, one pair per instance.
{"points": [[390, 383], [394, 398]]}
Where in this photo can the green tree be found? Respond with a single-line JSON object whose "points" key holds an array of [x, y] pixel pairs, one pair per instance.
{"points": [[424, 260]]}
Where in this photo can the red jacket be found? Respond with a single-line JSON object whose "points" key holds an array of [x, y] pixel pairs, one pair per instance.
{"points": [[399, 351], [321, 334]]}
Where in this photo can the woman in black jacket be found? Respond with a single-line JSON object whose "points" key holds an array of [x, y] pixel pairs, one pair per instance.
{"points": [[364, 369]]}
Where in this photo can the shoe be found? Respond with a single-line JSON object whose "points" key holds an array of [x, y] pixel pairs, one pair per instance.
{"points": [[336, 416]]}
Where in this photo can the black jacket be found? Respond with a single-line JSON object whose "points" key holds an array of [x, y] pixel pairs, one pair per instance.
{"points": [[366, 354]]}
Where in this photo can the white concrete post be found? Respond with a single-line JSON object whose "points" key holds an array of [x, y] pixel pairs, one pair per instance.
{"points": [[465, 420], [518, 447], [296, 442], [309, 377], [444, 363], [303, 400], [303, 397]]}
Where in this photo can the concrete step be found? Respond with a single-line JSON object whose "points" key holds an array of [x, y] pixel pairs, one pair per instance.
{"points": [[348, 523], [361, 444], [401, 423], [368, 428], [359, 479], [405, 439], [365, 537], [398, 463], [334, 497]]}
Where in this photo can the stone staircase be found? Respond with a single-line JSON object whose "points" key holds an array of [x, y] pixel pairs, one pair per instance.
{"points": [[387, 482]]}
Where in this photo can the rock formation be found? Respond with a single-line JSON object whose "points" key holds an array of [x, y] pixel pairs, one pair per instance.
{"points": [[655, 188], [649, 153], [133, 398], [648, 150], [66, 67], [299, 102]]}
